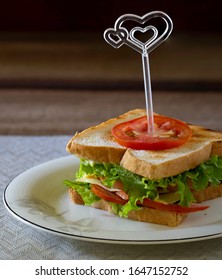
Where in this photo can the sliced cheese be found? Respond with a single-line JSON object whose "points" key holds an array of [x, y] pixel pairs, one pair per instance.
{"points": [[169, 198], [95, 181]]}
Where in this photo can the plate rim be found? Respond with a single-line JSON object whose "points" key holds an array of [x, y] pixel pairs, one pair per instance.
{"points": [[94, 239]]}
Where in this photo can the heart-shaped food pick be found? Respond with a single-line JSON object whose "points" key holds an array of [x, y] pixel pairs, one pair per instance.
{"points": [[116, 38], [146, 44], [120, 35]]}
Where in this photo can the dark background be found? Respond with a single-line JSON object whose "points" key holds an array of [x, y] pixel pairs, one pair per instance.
{"points": [[59, 76], [69, 15]]}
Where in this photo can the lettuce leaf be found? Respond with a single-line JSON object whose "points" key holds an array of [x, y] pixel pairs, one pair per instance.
{"points": [[84, 190], [139, 187]]}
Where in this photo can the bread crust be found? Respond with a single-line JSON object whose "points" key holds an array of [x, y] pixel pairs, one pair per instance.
{"points": [[210, 192], [100, 154]]}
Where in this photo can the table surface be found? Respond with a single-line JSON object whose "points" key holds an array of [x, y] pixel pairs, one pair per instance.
{"points": [[58, 112], [20, 241]]}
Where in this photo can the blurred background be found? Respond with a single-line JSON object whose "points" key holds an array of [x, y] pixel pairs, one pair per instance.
{"points": [[58, 75], [67, 15]]}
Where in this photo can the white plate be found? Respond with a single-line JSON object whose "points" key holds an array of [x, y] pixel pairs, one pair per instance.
{"points": [[39, 198]]}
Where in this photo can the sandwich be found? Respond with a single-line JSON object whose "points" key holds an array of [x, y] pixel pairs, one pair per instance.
{"points": [[159, 178]]}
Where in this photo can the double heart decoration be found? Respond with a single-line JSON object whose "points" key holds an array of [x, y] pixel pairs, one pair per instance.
{"points": [[119, 35]]}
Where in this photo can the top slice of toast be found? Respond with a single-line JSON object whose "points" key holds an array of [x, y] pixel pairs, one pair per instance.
{"points": [[97, 144]]}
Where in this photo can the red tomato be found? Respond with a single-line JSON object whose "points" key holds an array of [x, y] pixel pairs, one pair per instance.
{"points": [[173, 207], [169, 133], [113, 197], [106, 195]]}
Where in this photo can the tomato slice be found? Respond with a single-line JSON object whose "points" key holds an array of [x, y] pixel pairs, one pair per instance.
{"points": [[113, 197], [173, 207], [169, 133], [106, 195]]}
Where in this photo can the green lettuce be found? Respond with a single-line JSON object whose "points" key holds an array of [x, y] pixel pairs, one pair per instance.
{"points": [[84, 190], [138, 187]]}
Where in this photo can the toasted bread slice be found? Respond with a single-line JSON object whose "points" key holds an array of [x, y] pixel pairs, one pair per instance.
{"points": [[210, 192], [150, 215], [145, 214], [159, 164], [97, 144]]}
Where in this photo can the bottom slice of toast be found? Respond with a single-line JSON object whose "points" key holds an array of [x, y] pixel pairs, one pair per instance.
{"points": [[155, 216], [145, 214]]}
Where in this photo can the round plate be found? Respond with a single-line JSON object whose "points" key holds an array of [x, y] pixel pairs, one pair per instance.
{"points": [[40, 198]]}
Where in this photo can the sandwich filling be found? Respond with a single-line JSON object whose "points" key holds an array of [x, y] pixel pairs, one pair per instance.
{"points": [[127, 191]]}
